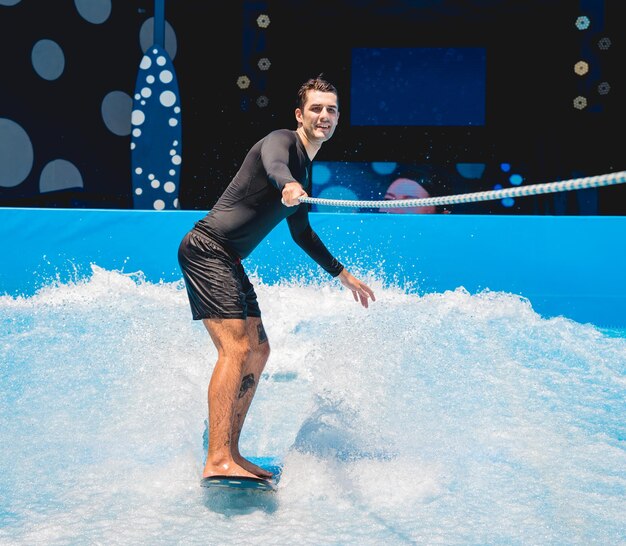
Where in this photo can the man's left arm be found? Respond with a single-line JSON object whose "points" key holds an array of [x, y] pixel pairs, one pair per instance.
{"points": [[309, 241], [304, 236]]}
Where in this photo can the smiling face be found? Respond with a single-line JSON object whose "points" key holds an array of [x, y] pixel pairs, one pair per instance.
{"points": [[319, 116]]}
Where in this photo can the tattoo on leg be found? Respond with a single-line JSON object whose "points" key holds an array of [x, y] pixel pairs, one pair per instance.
{"points": [[246, 383], [262, 334]]}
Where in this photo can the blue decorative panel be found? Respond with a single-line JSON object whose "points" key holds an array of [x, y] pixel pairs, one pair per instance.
{"points": [[156, 137]]}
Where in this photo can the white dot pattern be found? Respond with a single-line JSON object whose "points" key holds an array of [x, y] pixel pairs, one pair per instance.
{"points": [[157, 152]]}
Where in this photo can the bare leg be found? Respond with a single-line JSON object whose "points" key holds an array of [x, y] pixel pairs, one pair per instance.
{"points": [[254, 365], [233, 350]]}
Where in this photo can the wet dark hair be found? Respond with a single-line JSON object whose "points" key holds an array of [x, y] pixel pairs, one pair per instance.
{"points": [[314, 84]]}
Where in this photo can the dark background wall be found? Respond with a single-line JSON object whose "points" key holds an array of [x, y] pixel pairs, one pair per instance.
{"points": [[78, 121]]}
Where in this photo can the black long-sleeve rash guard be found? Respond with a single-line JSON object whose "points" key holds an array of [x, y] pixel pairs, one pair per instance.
{"points": [[250, 207]]}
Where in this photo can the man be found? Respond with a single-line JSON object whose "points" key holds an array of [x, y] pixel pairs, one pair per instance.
{"points": [[267, 189]]}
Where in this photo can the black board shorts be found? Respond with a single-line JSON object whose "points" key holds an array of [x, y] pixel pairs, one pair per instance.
{"points": [[216, 283]]}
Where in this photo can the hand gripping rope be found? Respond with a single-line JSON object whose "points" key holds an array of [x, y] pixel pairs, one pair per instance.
{"points": [[522, 191]]}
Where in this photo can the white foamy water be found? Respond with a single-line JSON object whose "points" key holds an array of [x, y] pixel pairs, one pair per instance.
{"points": [[438, 419]]}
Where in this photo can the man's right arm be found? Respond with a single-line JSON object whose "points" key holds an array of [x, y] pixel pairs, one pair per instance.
{"points": [[291, 194], [275, 157]]}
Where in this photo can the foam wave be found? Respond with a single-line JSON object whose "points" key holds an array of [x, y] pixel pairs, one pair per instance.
{"points": [[449, 418]]}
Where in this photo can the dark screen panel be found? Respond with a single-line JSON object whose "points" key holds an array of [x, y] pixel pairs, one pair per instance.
{"points": [[418, 86]]}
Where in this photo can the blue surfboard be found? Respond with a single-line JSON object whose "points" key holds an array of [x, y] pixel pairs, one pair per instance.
{"points": [[245, 483], [232, 482], [271, 464]]}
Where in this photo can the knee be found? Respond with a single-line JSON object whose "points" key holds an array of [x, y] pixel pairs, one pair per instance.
{"points": [[262, 351], [240, 351], [253, 350]]}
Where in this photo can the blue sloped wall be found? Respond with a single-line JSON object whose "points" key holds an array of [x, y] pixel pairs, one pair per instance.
{"points": [[565, 265]]}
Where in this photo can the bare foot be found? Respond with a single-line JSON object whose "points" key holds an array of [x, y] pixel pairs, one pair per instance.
{"points": [[226, 469], [251, 467]]}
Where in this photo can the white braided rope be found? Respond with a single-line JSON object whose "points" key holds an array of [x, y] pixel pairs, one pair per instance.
{"points": [[521, 191]]}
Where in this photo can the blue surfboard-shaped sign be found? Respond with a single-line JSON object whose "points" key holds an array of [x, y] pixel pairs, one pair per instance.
{"points": [[156, 131]]}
